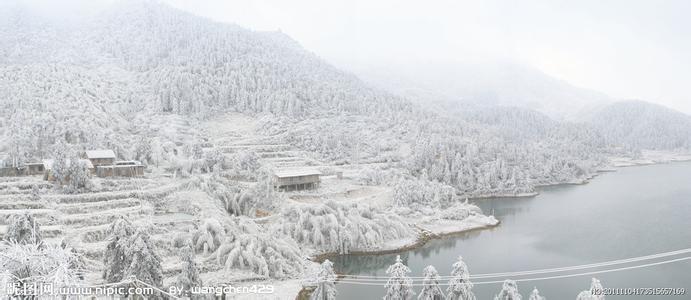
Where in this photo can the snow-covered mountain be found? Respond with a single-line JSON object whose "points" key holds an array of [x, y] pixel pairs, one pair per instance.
{"points": [[643, 125], [485, 84]]}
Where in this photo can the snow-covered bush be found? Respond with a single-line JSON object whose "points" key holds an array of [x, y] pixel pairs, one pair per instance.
{"points": [[419, 193], [335, 227], [209, 236], [399, 286], [460, 211], [237, 199], [23, 229], [37, 264], [244, 163]]}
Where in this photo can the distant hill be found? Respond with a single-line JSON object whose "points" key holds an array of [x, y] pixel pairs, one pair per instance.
{"points": [[643, 125], [497, 84]]}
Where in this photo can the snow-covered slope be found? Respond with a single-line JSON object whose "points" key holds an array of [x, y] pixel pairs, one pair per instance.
{"points": [[643, 125]]}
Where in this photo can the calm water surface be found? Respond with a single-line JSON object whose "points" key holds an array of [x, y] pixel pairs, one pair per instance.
{"points": [[633, 212]]}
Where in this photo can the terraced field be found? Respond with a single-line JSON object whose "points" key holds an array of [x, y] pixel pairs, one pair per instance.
{"points": [[82, 220]]}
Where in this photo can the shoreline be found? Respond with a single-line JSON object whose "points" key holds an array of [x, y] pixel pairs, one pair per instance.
{"points": [[423, 238], [427, 236]]}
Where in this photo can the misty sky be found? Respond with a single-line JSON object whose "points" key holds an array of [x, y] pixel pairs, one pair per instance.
{"points": [[627, 49]]}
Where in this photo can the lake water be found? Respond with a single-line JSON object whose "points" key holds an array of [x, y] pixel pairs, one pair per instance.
{"points": [[629, 213]]}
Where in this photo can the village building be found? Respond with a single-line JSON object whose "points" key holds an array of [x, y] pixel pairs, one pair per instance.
{"points": [[296, 180], [100, 157], [130, 168], [23, 170]]}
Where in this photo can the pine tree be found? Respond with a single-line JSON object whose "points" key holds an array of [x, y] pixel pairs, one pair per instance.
{"points": [[535, 295], [326, 290], [460, 287], [189, 276], [115, 259], [509, 291], [593, 293], [145, 264], [430, 285], [399, 286], [24, 230]]}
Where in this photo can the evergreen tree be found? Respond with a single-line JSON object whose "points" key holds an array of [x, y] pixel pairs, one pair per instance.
{"points": [[430, 285], [509, 291], [326, 290], [460, 287], [189, 276], [399, 286], [145, 264], [535, 295], [594, 293], [116, 259]]}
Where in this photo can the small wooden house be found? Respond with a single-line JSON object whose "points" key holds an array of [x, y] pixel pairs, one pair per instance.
{"points": [[121, 169], [295, 180], [34, 168], [101, 157]]}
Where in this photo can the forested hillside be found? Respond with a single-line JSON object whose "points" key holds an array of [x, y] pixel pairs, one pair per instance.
{"points": [[643, 125]]}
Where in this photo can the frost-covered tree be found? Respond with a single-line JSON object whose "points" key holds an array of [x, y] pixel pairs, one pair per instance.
{"points": [[209, 236], [460, 287], [24, 229], [189, 275], [509, 291], [79, 175], [116, 259], [35, 193], [325, 278], [336, 227], [535, 295], [595, 292], [145, 264], [60, 169], [142, 150], [399, 286], [262, 254], [430, 285]]}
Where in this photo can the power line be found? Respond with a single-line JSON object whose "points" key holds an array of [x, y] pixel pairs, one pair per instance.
{"points": [[540, 278], [543, 271]]}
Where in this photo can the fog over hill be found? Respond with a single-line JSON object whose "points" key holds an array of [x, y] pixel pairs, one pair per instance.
{"points": [[485, 84]]}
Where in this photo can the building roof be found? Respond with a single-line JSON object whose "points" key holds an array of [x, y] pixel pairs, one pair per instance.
{"points": [[295, 172], [95, 154]]}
